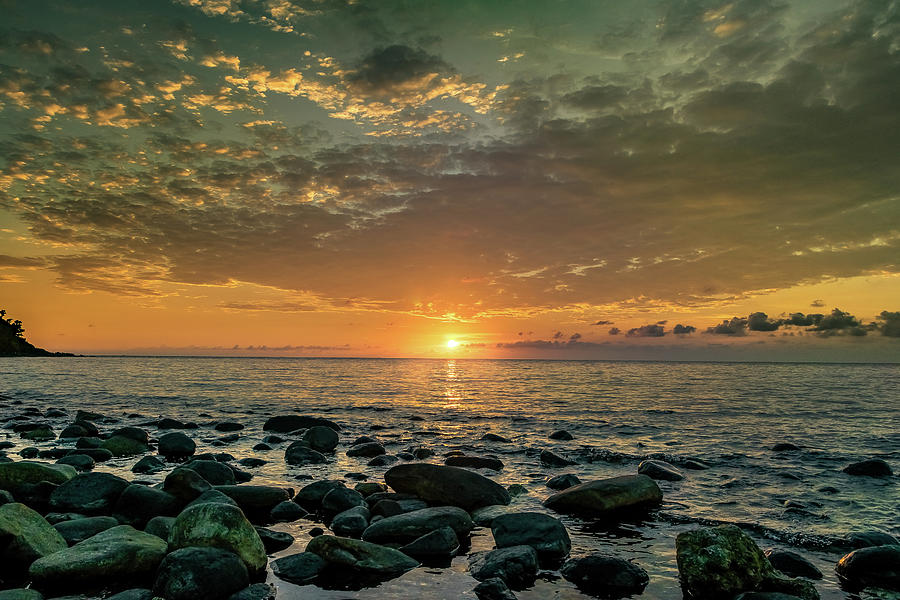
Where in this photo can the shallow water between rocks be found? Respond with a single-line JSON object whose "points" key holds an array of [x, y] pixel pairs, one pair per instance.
{"points": [[728, 415]]}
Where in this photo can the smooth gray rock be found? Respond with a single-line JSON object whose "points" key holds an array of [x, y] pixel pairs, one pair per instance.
{"points": [[792, 564], [607, 495], [161, 527], [176, 445], [660, 470], [78, 530], [452, 485], [605, 576], [517, 566], [552, 459], [321, 438], [873, 467], [219, 526], [255, 591], [88, 493], [340, 499], [200, 574], [351, 522], [362, 557], [148, 464], [546, 534], [274, 541], [563, 482], [475, 462], [301, 568], [438, 544], [366, 450], [876, 566], [289, 423], [299, 454], [185, 484], [407, 527], [287, 511], [214, 472], [493, 589]]}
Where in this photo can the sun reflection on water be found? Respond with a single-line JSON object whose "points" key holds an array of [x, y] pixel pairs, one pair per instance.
{"points": [[452, 388]]}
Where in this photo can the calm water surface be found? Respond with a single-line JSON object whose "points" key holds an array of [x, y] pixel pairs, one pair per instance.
{"points": [[728, 415]]}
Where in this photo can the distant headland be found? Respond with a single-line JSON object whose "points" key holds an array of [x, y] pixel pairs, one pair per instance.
{"points": [[13, 342]]}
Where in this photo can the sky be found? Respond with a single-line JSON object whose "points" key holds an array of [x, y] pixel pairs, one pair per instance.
{"points": [[681, 180]]}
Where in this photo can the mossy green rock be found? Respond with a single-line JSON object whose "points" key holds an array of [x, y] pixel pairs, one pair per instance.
{"points": [[217, 525], [41, 434], [117, 555], [121, 445], [718, 563], [26, 536], [13, 475], [362, 557], [21, 594]]}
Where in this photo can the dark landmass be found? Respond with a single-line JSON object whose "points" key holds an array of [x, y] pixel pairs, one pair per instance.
{"points": [[13, 342]]}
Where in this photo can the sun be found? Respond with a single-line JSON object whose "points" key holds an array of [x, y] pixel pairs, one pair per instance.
{"points": [[452, 343]]}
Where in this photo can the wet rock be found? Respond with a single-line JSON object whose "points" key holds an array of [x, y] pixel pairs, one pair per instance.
{"points": [[88, 493], [552, 459], [367, 489], [274, 541], [185, 484], [6, 497], [73, 431], [289, 423], [475, 462], [792, 564], [255, 591], [562, 435], [387, 508], [118, 555], [765, 596], [383, 460], [340, 499], [251, 462], [226, 426], [78, 530], [364, 558], [877, 566], [484, 516], [516, 489], [88, 442], [366, 450], [29, 452], [493, 437], [873, 467], [866, 539], [517, 566], [299, 454], [721, 562], [310, 496], [262, 447], [14, 475], [351, 522], [320, 438], [167, 423], [81, 462], [301, 568], [407, 527], [547, 535], [660, 470], [219, 526], [97, 454], [26, 536], [603, 496], [121, 446], [161, 527], [421, 453], [212, 471], [36, 495], [605, 576], [493, 589], [39, 434], [148, 464], [176, 445], [286, 512], [212, 496], [21, 594], [452, 485], [200, 574], [785, 447], [86, 415], [132, 594], [563, 482], [140, 503], [257, 501], [438, 544]]}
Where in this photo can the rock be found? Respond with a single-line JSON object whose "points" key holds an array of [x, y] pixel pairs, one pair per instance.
{"points": [[148, 464], [96, 454], [310, 496], [274, 541], [219, 526], [451, 485], [135, 433], [132, 594], [484, 516], [21, 594], [6, 497], [785, 447], [421, 453], [73, 431], [78, 530], [547, 535], [39, 434], [88, 493], [299, 454], [185, 484], [86, 415], [552, 459], [873, 467], [792, 564], [257, 501], [120, 554], [213, 496], [161, 527], [493, 589], [351, 522], [660, 470], [407, 527], [493, 437], [176, 445], [362, 557], [765, 596], [255, 591], [29, 452], [251, 462], [262, 447], [81, 462], [340, 499], [26, 536], [200, 574], [124, 446], [563, 482], [517, 566], [387, 508], [721, 562], [607, 495], [865, 539], [369, 488], [438, 544], [212, 471], [167, 423], [366, 450], [228, 426], [286, 512], [475, 462], [320, 438], [289, 423], [301, 568], [605, 576], [383, 460], [140, 503], [14, 475], [877, 566], [562, 435]]}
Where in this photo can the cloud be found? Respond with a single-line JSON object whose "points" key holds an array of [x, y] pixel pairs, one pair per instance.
{"points": [[7, 261], [680, 329], [817, 303], [736, 326], [759, 321], [888, 323], [614, 331], [602, 323], [655, 330], [839, 323]]}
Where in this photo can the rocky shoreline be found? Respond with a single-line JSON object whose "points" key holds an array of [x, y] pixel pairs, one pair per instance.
{"points": [[191, 525]]}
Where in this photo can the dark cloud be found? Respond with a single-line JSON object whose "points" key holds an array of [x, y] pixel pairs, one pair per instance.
{"points": [[817, 303], [801, 320], [759, 321], [888, 323], [16, 261], [614, 331], [839, 323], [736, 326], [602, 323], [654, 330], [390, 70], [680, 329]]}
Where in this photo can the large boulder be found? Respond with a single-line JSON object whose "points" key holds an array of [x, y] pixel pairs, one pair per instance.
{"points": [[301, 568], [546, 534], [340, 499], [361, 557], [214, 472], [78, 530], [288, 423], [299, 454], [873, 467], [407, 527], [88, 494], [792, 564], [257, 501], [121, 445], [605, 576], [448, 485], [185, 484], [877, 566], [219, 526], [321, 438], [14, 475], [310, 496], [118, 555], [441, 543], [607, 495], [721, 562], [516, 565], [660, 469], [475, 462], [351, 522], [200, 574], [140, 503], [176, 445], [26, 536]]}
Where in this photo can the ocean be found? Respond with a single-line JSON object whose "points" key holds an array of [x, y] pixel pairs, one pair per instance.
{"points": [[727, 415]]}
